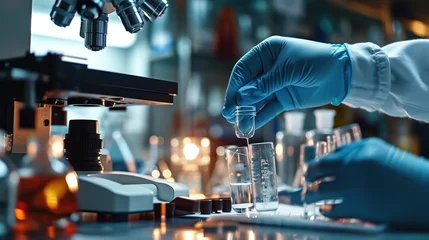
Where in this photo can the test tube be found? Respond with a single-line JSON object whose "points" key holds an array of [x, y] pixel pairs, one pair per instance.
{"points": [[307, 154], [321, 149], [264, 178], [331, 142], [239, 179], [348, 134], [347, 138], [245, 121]]}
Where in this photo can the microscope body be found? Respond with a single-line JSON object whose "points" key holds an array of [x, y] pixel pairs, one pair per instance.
{"points": [[35, 89]]}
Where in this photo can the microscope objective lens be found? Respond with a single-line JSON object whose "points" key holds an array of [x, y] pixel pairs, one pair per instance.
{"points": [[63, 11]]}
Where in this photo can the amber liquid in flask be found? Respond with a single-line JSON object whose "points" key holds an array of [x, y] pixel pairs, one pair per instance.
{"points": [[46, 193], [46, 199]]}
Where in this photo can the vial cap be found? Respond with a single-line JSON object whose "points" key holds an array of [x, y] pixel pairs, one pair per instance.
{"points": [[216, 205], [205, 206], [226, 204], [324, 118], [294, 121]]}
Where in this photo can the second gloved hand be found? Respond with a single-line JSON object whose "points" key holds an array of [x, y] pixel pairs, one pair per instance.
{"points": [[377, 183], [286, 73]]}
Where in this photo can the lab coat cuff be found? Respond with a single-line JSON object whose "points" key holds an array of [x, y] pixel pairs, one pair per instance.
{"points": [[370, 83]]}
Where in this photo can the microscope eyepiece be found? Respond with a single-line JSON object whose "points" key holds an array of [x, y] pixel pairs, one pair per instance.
{"points": [[63, 11], [154, 8], [131, 14], [95, 32]]}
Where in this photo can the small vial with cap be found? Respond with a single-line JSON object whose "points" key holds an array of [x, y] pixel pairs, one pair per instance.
{"points": [[324, 126], [245, 121]]}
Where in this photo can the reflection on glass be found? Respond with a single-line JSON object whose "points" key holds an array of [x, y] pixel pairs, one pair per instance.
{"points": [[251, 235], [331, 142], [189, 234], [156, 234], [348, 134]]}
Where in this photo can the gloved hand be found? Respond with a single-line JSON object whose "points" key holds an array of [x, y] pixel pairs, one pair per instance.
{"points": [[377, 183], [286, 73]]}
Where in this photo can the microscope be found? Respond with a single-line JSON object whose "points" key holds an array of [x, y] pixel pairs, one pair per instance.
{"points": [[35, 89]]}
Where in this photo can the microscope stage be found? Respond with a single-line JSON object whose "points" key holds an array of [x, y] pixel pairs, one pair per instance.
{"points": [[56, 78]]}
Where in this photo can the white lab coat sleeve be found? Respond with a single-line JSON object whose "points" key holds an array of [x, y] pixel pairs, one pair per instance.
{"points": [[393, 79]]}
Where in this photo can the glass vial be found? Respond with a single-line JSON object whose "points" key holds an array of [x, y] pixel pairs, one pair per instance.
{"points": [[245, 121], [48, 187], [324, 126], [288, 144]]}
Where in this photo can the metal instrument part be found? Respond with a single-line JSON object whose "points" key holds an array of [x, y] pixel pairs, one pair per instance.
{"points": [[154, 8], [131, 15], [63, 12], [95, 32], [58, 83]]}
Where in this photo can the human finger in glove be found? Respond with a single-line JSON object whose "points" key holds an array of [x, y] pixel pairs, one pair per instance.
{"points": [[376, 181]]}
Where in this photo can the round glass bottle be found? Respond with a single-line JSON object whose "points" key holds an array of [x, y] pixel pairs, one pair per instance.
{"points": [[48, 187]]}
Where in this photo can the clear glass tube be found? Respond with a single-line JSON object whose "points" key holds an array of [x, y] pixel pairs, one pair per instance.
{"points": [[348, 134], [321, 149], [331, 142], [309, 153], [245, 121], [239, 179], [264, 177]]}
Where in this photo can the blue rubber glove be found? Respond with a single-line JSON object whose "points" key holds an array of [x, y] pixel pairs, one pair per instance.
{"points": [[286, 73], [377, 183]]}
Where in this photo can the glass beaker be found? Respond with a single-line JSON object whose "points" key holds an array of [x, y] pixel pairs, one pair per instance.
{"points": [[239, 179], [245, 121], [264, 178]]}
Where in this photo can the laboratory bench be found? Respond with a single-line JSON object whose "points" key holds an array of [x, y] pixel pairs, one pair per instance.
{"points": [[190, 228]]}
